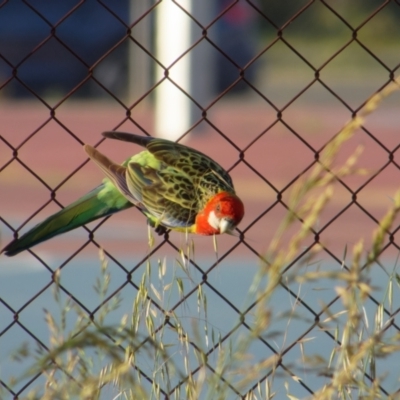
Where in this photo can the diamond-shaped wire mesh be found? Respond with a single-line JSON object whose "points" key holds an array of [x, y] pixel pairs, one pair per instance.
{"points": [[308, 67]]}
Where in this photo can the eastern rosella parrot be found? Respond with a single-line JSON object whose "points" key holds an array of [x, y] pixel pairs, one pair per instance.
{"points": [[174, 186]]}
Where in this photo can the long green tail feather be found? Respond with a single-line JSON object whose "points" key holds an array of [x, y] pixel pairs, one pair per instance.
{"points": [[102, 201]]}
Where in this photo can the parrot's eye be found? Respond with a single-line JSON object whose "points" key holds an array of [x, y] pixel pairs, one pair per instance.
{"points": [[218, 208]]}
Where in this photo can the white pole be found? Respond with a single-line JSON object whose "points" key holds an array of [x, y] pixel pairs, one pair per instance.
{"points": [[172, 107]]}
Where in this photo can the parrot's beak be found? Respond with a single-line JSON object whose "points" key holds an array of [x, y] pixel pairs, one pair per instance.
{"points": [[226, 225]]}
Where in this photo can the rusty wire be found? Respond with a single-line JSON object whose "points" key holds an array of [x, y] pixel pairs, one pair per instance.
{"points": [[315, 311]]}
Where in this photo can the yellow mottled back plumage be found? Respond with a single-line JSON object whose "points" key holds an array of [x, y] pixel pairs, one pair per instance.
{"points": [[171, 182]]}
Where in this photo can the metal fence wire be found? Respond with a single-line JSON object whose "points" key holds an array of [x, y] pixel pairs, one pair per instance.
{"points": [[270, 114]]}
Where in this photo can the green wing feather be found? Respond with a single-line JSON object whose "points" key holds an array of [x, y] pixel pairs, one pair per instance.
{"points": [[161, 199], [100, 202]]}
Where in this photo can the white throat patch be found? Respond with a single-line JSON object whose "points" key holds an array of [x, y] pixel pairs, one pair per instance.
{"points": [[213, 220]]}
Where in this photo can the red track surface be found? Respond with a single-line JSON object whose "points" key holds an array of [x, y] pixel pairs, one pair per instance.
{"points": [[278, 156]]}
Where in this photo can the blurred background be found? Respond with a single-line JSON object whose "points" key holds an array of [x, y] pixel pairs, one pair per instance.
{"points": [[260, 86], [51, 48]]}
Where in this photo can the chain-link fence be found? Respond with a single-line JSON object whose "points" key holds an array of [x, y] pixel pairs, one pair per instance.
{"points": [[282, 80]]}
